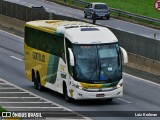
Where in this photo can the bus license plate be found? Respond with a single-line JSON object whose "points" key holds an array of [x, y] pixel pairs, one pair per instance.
{"points": [[100, 95]]}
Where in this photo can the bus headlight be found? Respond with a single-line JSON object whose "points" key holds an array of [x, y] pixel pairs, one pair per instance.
{"points": [[119, 85]]}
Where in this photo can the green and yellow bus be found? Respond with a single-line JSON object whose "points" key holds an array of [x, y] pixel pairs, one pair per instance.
{"points": [[77, 59]]}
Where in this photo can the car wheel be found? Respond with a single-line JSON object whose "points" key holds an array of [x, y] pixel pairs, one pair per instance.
{"points": [[108, 17], [85, 16], [101, 17]]}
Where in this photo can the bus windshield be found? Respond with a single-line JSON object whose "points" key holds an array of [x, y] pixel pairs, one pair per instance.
{"points": [[97, 63]]}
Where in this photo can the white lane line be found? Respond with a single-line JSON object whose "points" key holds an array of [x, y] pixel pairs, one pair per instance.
{"points": [[18, 97], [42, 98], [3, 83], [11, 34], [142, 79], [12, 92], [24, 102], [139, 25], [8, 88], [32, 107], [126, 101], [16, 58], [35, 96]]}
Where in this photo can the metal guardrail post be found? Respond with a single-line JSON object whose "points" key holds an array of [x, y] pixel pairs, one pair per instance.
{"points": [[94, 17]]}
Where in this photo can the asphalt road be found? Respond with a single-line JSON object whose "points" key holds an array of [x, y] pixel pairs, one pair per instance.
{"points": [[113, 23], [139, 95]]}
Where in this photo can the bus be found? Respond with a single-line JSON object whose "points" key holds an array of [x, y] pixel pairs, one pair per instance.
{"points": [[77, 59]]}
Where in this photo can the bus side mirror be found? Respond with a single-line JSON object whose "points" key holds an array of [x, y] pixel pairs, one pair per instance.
{"points": [[125, 56], [71, 56]]}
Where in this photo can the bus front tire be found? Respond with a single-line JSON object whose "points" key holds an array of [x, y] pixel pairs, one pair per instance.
{"points": [[67, 98], [39, 86]]}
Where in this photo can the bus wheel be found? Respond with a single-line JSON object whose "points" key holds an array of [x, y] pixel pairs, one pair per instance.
{"points": [[39, 86], [34, 80], [67, 98], [35, 83]]}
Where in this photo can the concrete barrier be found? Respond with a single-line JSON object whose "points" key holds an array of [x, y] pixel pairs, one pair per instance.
{"points": [[145, 64], [12, 23]]}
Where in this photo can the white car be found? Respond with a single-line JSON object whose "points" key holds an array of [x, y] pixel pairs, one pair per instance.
{"points": [[101, 10]]}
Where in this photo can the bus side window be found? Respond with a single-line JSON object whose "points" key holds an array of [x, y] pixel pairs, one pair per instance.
{"points": [[57, 47], [29, 33], [47, 42], [37, 37], [54, 45]]}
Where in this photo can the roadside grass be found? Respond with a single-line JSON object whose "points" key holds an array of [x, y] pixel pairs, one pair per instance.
{"points": [[145, 8], [2, 110], [140, 7]]}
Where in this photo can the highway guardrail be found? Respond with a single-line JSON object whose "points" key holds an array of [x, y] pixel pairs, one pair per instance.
{"points": [[120, 12]]}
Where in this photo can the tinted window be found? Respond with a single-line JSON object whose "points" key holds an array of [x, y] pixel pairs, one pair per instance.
{"points": [[44, 41], [101, 6]]}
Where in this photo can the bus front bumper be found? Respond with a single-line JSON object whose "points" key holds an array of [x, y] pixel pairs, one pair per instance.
{"points": [[81, 94]]}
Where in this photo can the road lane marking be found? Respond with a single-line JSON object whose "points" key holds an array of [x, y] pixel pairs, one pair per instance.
{"points": [[142, 79], [34, 107], [11, 34], [16, 58], [19, 97], [139, 25], [24, 102], [58, 106], [8, 88], [3, 84], [12, 92], [35, 96], [126, 101]]}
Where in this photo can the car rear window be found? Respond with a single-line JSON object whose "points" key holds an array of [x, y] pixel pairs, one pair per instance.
{"points": [[103, 6]]}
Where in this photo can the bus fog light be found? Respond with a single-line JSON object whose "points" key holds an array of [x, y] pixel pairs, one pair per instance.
{"points": [[118, 93], [79, 87]]}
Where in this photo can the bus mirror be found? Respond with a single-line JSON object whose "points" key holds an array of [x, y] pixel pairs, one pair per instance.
{"points": [[125, 56], [71, 56]]}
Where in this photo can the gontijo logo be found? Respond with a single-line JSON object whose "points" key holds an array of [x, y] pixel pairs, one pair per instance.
{"points": [[157, 5]]}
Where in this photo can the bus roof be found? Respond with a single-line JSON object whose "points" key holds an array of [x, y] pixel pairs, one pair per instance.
{"points": [[76, 31]]}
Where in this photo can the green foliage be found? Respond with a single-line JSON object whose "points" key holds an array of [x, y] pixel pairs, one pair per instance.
{"points": [[2, 110], [141, 7]]}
